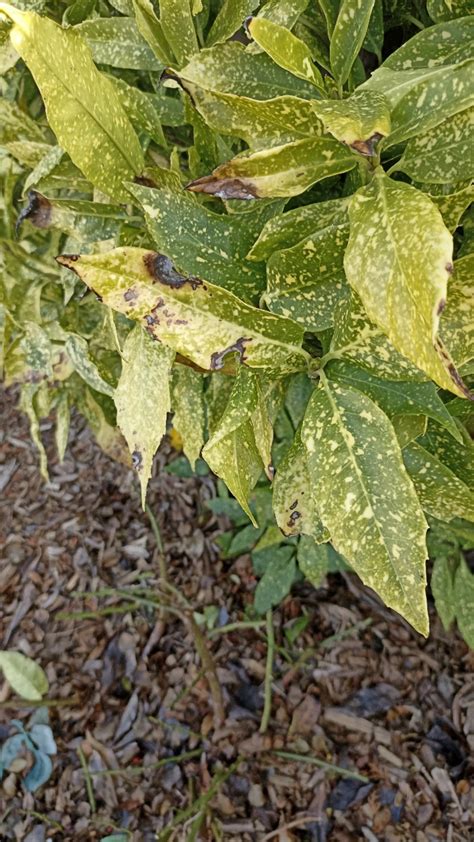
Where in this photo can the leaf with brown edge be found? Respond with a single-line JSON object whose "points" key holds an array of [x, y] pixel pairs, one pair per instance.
{"points": [[203, 322], [286, 170], [359, 121], [399, 259]]}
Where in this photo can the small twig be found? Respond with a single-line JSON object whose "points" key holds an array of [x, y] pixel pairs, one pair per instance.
{"points": [[328, 767], [44, 703], [244, 624], [209, 666], [267, 707], [135, 770], [88, 780], [295, 823]]}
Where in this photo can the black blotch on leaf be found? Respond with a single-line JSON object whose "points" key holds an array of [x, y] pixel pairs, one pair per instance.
{"points": [[144, 181], [137, 460], [162, 271], [130, 295], [293, 505], [66, 260], [224, 188], [441, 306], [38, 211], [449, 268], [217, 358], [293, 518], [366, 147]]}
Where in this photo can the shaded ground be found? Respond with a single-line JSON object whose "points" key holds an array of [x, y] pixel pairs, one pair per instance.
{"points": [[357, 688]]}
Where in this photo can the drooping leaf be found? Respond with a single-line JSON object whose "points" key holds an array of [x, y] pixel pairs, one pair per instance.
{"points": [[457, 321], [284, 171], [441, 493], [395, 397], [229, 19], [286, 50], [348, 35], [118, 42], [359, 121], [442, 154], [106, 148], [399, 260], [187, 403], [234, 450], [142, 398], [442, 587], [24, 675], [194, 238], [145, 286], [293, 499], [464, 599], [364, 494], [63, 417]]}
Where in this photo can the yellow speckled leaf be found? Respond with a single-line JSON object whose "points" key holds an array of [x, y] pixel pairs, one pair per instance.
{"points": [[286, 50], [399, 259], [82, 106], [360, 121], [365, 497]]}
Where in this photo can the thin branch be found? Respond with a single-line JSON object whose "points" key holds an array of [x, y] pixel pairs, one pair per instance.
{"points": [[267, 707]]}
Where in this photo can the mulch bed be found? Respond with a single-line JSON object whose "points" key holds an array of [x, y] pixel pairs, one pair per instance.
{"points": [[128, 689]]}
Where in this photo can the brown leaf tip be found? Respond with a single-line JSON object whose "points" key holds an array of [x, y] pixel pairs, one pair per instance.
{"points": [[38, 211], [162, 271], [224, 188]]}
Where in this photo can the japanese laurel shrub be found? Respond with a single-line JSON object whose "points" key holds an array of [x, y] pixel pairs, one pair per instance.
{"points": [[256, 216]]}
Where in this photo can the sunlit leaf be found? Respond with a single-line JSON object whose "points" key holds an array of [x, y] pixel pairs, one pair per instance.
{"points": [[24, 675], [285, 49]]}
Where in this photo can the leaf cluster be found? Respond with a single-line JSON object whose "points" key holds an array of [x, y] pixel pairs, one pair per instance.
{"points": [[260, 214]]}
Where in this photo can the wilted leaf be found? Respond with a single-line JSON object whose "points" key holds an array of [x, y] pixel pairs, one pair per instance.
{"points": [[363, 495], [142, 398], [144, 286], [285, 170], [105, 148], [24, 675], [399, 261]]}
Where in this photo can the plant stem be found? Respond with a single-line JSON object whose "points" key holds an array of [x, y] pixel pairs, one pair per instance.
{"points": [[159, 544], [329, 767], [267, 707], [244, 624], [135, 770], [88, 780], [209, 666]]}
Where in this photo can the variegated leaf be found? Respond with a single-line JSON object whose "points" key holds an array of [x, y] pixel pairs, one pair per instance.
{"points": [[441, 493], [229, 19], [348, 35], [286, 50], [359, 121], [443, 154], [457, 320], [187, 403], [142, 398], [117, 42], [364, 496], [293, 499]]}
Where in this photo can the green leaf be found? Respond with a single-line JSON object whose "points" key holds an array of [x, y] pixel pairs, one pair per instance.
{"points": [[178, 28], [142, 398], [198, 240], [444, 44], [464, 598], [441, 10], [16, 125], [307, 281], [459, 458], [24, 675], [348, 36], [87, 222], [442, 588], [373, 41], [399, 260], [234, 450], [276, 581], [118, 43], [451, 199], [229, 68], [288, 229], [145, 287], [442, 154], [395, 397], [441, 493], [229, 20], [408, 427], [285, 49], [106, 148], [282, 171], [313, 560], [187, 402], [140, 109], [151, 30], [365, 497], [283, 12], [78, 352], [293, 499], [457, 321], [261, 123], [359, 121]]}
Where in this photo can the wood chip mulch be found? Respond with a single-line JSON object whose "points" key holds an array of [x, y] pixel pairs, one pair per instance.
{"points": [[358, 688]]}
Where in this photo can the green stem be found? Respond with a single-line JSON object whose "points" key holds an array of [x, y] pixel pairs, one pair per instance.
{"points": [[267, 707], [88, 780], [329, 767]]}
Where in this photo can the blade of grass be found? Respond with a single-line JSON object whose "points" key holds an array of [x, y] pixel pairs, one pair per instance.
{"points": [[328, 767]]}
